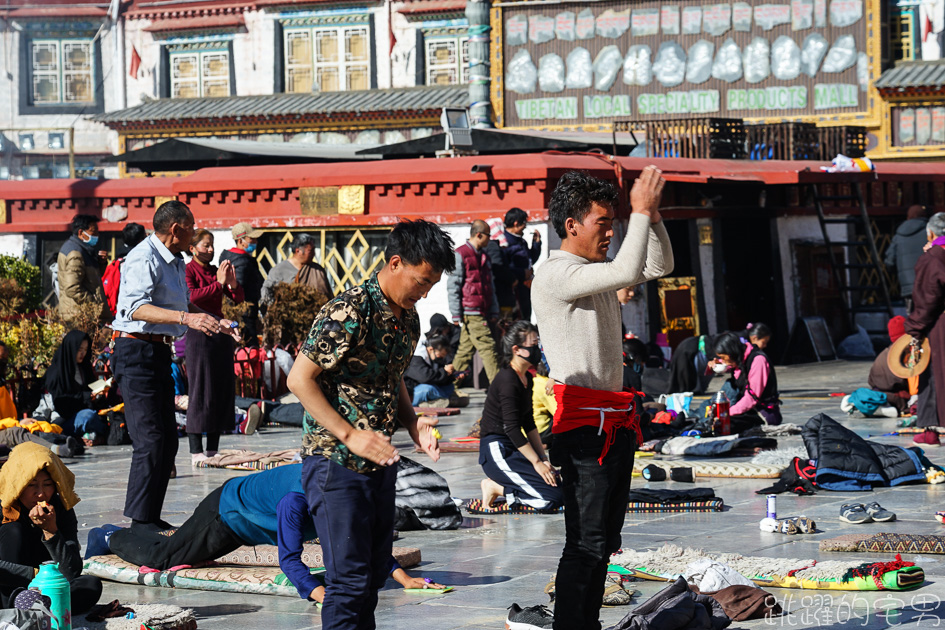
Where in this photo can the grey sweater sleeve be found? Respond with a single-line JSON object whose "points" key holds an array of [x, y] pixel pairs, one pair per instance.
{"points": [[645, 254], [454, 288]]}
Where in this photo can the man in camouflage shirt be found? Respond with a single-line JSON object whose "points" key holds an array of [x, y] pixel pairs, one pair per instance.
{"points": [[349, 378]]}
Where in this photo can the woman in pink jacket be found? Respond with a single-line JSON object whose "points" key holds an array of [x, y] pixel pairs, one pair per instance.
{"points": [[753, 379]]}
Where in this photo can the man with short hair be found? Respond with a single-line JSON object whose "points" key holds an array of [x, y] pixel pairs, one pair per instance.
{"points": [[472, 301], [79, 270], [299, 268], [513, 280], [349, 378], [248, 276], [153, 309], [595, 426]]}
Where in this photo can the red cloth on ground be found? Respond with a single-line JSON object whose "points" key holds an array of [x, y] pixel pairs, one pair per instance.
{"points": [[584, 407]]}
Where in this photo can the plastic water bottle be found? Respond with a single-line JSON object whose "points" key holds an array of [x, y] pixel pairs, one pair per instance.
{"points": [[722, 406], [55, 586]]}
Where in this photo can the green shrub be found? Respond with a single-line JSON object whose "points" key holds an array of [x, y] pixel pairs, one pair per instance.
{"points": [[28, 277]]}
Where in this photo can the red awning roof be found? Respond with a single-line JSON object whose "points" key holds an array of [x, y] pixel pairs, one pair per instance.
{"points": [[421, 7], [196, 23], [56, 12]]}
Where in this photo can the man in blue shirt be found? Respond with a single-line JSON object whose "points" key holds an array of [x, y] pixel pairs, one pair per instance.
{"points": [[153, 309], [266, 508]]}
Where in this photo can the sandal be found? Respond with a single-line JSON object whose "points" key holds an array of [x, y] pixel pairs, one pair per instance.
{"points": [[940, 517], [878, 513], [854, 513], [805, 525]]}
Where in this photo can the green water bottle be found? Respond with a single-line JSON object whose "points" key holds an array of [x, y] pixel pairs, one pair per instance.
{"points": [[55, 586]]}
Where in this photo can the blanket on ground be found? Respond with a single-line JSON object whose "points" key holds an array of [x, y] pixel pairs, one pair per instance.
{"points": [[885, 543]]}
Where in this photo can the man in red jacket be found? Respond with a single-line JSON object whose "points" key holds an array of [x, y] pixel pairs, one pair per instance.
{"points": [[473, 301]]}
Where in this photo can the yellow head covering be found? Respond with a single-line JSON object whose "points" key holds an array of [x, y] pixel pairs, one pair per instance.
{"points": [[26, 460]]}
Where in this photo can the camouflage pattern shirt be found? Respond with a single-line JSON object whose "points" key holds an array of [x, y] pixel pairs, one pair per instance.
{"points": [[364, 350]]}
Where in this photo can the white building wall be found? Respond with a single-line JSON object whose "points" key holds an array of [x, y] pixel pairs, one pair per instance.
{"points": [[12, 245]]}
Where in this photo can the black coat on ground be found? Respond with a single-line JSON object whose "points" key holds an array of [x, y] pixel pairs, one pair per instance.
{"points": [[676, 607], [847, 462]]}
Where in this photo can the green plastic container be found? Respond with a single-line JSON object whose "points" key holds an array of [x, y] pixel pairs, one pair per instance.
{"points": [[55, 586]]}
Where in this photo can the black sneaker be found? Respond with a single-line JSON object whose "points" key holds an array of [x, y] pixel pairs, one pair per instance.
{"points": [[531, 618]]}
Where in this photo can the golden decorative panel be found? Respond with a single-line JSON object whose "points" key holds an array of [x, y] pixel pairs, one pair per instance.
{"points": [[318, 200], [351, 200]]}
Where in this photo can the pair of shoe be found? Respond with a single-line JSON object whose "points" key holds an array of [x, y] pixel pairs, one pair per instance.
{"points": [[928, 439], [615, 594], [857, 513], [934, 475], [789, 526], [530, 618]]}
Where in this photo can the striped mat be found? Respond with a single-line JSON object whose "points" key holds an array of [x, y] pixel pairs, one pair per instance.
{"points": [[474, 506], [885, 543], [714, 468]]}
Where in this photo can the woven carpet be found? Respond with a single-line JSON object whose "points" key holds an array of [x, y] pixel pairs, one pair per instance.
{"points": [[714, 468], [474, 506], [259, 580], [234, 459], [885, 543], [268, 556]]}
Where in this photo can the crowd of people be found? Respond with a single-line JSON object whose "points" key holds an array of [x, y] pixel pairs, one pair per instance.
{"points": [[567, 405]]}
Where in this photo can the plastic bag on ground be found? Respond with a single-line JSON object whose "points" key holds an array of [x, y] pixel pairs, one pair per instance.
{"points": [[711, 575]]}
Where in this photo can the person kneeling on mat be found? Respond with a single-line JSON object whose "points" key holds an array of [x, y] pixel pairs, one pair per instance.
{"points": [[753, 388], [39, 525], [265, 508]]}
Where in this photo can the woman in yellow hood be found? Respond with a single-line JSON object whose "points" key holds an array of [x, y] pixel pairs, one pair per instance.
{"points": [[39, 524]]}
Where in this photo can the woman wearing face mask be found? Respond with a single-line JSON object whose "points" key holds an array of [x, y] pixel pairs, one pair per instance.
{"points": [[753, 388], [209, 358], [511, 453]]}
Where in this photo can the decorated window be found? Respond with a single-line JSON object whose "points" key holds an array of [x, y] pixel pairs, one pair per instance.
{"points": [[328, 58], [62, 71], [199, 73], [447, 59]]}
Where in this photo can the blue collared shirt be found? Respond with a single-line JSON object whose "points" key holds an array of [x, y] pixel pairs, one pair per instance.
{"points": [[151, 274]]}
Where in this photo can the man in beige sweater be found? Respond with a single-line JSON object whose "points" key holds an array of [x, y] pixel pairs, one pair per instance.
{"points": [[595, 428]]}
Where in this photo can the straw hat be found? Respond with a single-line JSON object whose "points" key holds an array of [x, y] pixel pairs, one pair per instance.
{"points": [[898, 358]]}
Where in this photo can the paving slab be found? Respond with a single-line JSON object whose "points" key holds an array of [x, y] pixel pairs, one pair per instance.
{"points": [[496, 560]]}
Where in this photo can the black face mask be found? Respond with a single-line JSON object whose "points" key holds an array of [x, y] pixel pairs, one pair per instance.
{"points": [[534, 355]]}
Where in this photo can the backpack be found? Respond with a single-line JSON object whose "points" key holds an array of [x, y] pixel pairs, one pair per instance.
{"points": [[117, 429], [111, 282]]}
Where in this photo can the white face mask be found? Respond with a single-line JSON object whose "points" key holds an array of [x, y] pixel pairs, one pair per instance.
{"points": [[720, 368]]}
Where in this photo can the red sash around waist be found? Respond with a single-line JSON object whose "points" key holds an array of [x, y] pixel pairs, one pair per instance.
{"points": [[584, 407]]}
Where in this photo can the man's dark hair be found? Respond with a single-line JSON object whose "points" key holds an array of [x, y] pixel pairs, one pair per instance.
{"points": [[514, 217], [573, 196], [169, 213], [418, 242], [132, 234], [82, 222], [479, 227], [300, 241]]}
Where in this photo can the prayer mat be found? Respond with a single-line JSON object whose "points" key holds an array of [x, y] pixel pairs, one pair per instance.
{"points": [[714, 468], [268, 556], [154, 616], [474, 506], [885, 543], [456, 447], [258, 580], [669, 561], [233, 459], [436, 411]]}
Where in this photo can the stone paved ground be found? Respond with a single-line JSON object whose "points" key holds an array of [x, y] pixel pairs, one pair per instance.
{"points": [[495, 561]]}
